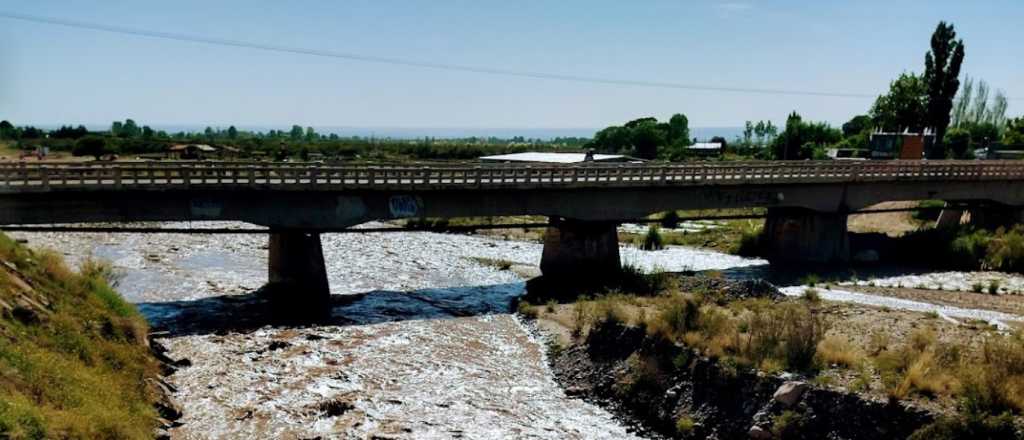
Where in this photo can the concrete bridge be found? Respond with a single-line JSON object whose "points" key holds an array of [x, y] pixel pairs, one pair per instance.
{"points": [[807, 201]]}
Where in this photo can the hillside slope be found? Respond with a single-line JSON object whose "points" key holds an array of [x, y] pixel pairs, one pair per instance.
{"points": [[74, 361]]}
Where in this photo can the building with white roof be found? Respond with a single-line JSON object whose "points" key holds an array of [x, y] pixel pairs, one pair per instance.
{"points": [[564, 158]]}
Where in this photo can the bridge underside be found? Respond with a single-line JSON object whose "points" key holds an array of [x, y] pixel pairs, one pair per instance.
{"points": [[325, 210], [806, 222]]}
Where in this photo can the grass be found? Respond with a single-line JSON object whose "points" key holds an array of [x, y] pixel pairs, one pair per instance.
{"points": [[811, 295], [984, 378], [751, 333], [838, 350], [965, 248], [77, 368], [739, 237]]}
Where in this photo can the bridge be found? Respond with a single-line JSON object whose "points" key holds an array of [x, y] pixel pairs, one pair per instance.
{"points": [[807, 202]]}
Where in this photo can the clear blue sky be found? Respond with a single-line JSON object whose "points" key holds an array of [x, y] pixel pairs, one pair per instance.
{"points": [[53, 74]]}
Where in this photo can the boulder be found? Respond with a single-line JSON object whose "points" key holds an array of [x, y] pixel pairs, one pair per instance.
{"points": [[790, 393], [759, 433]]}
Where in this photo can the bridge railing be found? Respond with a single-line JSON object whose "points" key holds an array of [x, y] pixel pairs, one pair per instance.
{"points": [[26, 176]]}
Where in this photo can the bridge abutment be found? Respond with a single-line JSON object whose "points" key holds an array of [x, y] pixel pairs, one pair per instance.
{"points": [[574, 248], [798, 235], [297, 274]]}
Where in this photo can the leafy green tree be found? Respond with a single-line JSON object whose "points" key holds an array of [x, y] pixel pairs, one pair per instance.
{"points": [[115, 128], [646, 137], [959, 141], [903, 108], [147, 132], [857, 125], [942, 78], [1014, 132], [310, 134], [678, 129], [91, 146], [613, 139], [232, 132], [802, 140], [7, 130], [130, 129], [787, 145], [296, 133], [982, 133], [748, 133]]}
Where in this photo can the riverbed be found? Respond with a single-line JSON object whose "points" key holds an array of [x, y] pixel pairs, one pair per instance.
{"points": [[425, 347], [420, 343]]}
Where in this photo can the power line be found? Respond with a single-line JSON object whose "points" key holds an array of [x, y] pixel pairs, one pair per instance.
{"points": [[413, 63]]}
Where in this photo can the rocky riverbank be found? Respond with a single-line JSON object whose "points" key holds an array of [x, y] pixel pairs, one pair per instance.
{"points": [[679, 394], [692, 356]]}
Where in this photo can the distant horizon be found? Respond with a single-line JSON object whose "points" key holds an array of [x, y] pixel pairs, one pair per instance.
{"points": [[401, 132]]}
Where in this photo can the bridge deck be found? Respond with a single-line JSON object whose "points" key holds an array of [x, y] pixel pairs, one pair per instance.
{"points": [[28, 177]]}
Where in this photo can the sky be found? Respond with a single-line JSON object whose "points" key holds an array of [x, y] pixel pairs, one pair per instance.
{"points": [[53, 74]]}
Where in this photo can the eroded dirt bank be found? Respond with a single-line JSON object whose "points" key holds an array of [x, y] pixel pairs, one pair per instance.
{"points": [[679, 394]]}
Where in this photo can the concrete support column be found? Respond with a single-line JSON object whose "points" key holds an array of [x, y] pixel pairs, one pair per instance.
{"points": [[798, 235], [949, 217], [575, 248], [297, 273]]}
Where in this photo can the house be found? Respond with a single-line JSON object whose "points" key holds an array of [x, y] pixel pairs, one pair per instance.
{"points": [[560, 158], [906, 145], [190, 151], [705, 149]]}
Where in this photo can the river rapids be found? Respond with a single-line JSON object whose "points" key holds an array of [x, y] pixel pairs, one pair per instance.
{"points": [[420, 344]]}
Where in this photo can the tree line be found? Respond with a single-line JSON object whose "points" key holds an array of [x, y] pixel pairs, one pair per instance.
{"points": [[962, 119], [129, 137]]}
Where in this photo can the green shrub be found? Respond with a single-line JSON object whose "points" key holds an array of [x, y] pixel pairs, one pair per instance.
{"points": [[993, 287], [652, 240], [788, 425], [670, 220], [811, 295], [681, 316], [685, 425], [1005, 252], [526, 309], [749, 244]]}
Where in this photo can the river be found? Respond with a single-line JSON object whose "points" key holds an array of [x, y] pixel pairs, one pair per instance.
{"points": [[420, 343]]}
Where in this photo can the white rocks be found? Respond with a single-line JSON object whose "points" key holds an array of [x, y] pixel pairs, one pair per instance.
{"points": [[790, 393], [759, 433]]}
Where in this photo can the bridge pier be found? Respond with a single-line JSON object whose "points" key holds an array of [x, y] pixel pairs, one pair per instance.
{"points": [[580, 249], [994, 216], [799, 235], [949, 217], [297, 274]]}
